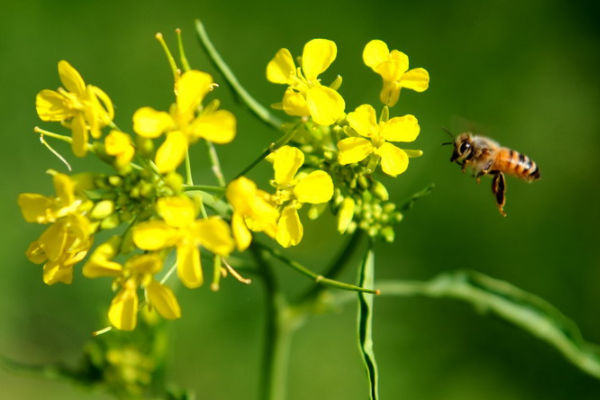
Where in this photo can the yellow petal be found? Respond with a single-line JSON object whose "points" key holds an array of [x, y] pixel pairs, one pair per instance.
{"points": [[317, 56], [122, 313], [146, 264], [281, 69], [189, 269], [294, 104], [70, 78], [177, 211], [52, 106], [55, 272], [191, 89], [325, 105], [401, 129], [215, 235], [172, 152], [394, 161], [117, 142], [80, 136], [35, 207], [65, 189], [287, 161], [154, 235], [217, 127], [240, 194], [363, 120], [345, 214], [394, 67], [289, 228], [416, 79], [390, 93], [241, 234], [164, 300], [150, 123], [353, 150], [375, 52], [54, 240], [315, 188], [35, 253], [413, 153], [99, 268]]}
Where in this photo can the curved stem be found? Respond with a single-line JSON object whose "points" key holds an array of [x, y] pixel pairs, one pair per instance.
{"points": [[257, 109], [277, 334]]}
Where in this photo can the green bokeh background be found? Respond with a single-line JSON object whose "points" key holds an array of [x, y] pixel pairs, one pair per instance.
{"points": [[526, 72]]}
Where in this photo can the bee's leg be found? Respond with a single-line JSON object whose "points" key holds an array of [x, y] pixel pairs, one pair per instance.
{"points": [[485, 170], [499, 190]]}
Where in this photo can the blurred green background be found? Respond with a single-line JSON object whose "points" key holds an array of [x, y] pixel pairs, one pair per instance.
{"points": [[527, 72]]}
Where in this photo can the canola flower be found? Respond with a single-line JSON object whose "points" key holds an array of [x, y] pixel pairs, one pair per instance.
{"points": [[305, 95]]}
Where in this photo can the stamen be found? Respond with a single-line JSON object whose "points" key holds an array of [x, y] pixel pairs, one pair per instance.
{"points": [[102, 331], [235, 274], [170, 58], [56, 153]]}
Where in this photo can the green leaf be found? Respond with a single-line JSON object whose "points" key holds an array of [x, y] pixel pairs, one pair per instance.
{"points": [[524, 310], [365, 321]]}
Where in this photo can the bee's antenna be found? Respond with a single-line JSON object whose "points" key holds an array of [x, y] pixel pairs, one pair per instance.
{"points": [[447, 131], [445, 143]]}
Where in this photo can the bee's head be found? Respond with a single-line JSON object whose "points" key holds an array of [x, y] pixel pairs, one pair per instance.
{"points": [[463, 147]]}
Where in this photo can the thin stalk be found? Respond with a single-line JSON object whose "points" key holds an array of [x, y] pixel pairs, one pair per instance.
{"points": [[274, 146], [189, 180], [320, 279], [257, 109], [204, 188], [214, 162], [277, 334]]}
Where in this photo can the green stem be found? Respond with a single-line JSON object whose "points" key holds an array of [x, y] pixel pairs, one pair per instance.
{"points": [[257, 109], [337, 266], [204, 188], [320, 279], [215, 164], [277, 334], [273, 147], [189, 180]]}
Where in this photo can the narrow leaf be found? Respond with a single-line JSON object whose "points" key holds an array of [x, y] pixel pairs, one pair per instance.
{"points": [[365, 322], [408, 204]]}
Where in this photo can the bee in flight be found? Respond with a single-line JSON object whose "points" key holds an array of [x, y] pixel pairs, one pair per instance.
{"points": [[486, 157]]}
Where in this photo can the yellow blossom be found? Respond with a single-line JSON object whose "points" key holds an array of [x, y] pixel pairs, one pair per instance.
{"points": [[42, 209], [138, 271], [375, 140], [305, 95], [84, 109], [293, 190], [118, 144], [180, 229], [251, 211], [60, 247], [181, 125], [393, 68]]}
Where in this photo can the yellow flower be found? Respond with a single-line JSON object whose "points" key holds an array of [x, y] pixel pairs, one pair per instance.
{"points": [[293, 190], [84, 109], [376, 137], [138, 271], [42, 209], [305, 95], [61, 246], [181, 125], [118, 144], [251, 211], [393, 68], [179, 228]]}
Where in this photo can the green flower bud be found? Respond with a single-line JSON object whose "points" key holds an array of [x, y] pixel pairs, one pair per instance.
{"points": [[110, 222], [380, 191], [102, 209]]}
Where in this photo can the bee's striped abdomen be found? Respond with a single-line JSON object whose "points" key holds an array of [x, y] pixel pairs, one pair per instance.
{"points": [[517, 164]]}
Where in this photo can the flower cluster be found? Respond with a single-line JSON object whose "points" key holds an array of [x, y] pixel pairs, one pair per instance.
{"points": [[157, 215]]}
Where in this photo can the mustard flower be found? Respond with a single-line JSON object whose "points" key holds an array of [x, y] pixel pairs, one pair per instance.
{"points": [[295, 189], [118, 144], [305, 95], [393, 68], [180, 229], [375, 137], [61, 246], [43, 209], [181, 125], [83, 109], [138, 271], [252, 210]]}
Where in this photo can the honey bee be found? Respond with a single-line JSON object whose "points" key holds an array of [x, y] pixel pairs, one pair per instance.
{"points": [[486, 157]]}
